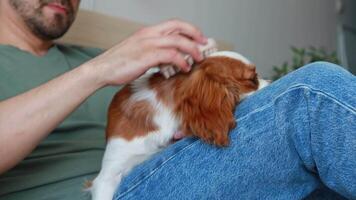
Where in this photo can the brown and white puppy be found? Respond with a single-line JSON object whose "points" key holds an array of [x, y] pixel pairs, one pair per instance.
{"points": [[144, 115]]}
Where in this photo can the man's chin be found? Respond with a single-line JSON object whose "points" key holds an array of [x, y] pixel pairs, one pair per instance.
{"points": [[52, 27], [51, 34], [49, 30]]}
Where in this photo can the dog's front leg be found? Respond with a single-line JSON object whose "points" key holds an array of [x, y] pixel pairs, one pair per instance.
{"points": [[120, 157]]}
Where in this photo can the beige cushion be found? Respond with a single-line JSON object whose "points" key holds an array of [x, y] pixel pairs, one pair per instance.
{"points": [[103, 31]]}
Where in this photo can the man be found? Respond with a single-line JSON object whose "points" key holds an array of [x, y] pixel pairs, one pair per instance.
{"points": [[27, 30], [289, 141]]}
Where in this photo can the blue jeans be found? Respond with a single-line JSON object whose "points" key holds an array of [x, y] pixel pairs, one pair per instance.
{"points": [[292, 138]]}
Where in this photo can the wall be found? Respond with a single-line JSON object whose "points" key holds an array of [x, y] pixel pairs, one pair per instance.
{"points": [[261, 30]]}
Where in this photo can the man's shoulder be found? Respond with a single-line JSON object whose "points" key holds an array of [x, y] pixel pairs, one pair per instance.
{"points": [[77, 49]]}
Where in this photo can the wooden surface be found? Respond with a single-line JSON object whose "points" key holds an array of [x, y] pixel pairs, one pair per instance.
{"points": [[103, 31]]}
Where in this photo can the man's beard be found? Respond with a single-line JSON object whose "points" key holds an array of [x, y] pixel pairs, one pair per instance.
{"points": [[36, 20]]}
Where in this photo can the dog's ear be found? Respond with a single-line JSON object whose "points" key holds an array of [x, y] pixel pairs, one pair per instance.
{"points": [[206, 108]]}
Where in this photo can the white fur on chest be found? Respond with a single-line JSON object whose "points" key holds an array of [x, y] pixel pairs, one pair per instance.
{"points": [[122, 155]]}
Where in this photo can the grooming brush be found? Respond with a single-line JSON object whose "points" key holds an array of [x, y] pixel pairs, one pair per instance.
{"points": [[169, 70]]}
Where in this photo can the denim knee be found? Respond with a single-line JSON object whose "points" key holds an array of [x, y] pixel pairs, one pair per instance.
{"points": [[322, 67], [316, 69], [319, 73]]}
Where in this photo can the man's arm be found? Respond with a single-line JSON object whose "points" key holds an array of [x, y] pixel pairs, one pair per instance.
{"points": [[29, 117]]}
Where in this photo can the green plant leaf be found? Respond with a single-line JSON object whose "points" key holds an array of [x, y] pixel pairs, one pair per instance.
{"points": [[302, 56]]}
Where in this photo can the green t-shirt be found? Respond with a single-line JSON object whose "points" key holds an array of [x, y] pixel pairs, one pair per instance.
{"points": [[72, 153]]}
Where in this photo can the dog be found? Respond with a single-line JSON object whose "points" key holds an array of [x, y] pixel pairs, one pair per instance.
{"points": [[144, 116]]}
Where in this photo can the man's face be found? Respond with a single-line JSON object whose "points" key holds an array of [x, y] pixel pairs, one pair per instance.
{"points": [[47, 19]]}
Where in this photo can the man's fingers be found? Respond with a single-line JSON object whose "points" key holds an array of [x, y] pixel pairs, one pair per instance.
{"points": [[178, 60], [179, 27], [182, 44], [171, 56]]}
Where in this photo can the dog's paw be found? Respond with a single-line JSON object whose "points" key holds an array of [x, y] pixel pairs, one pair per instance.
{"points": [[217, 138]]}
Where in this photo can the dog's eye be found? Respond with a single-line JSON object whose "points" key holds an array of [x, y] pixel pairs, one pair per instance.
{"points": [[255, 80]]}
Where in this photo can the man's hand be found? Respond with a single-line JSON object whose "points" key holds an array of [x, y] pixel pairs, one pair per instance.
{"points": [[160, 44]]}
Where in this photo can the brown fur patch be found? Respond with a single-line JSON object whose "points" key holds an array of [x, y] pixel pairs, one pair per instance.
{"points": [[128, 119]]}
